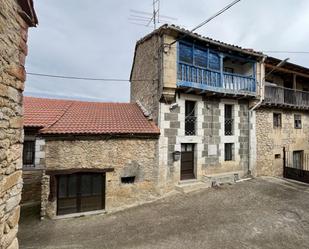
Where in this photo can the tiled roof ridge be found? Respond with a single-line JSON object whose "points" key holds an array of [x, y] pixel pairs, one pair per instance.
{"points": [[79, 101], [146, 113], [197, 35]]}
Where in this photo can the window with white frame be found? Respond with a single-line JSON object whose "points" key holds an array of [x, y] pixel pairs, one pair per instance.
{"points": [[228, 152], [228, 120]]}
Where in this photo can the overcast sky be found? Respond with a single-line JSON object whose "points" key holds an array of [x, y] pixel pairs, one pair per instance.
{"points": [[94, 38]]}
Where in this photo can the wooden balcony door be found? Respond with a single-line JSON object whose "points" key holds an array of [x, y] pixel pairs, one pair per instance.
{"points": [[187, 162], [80, 192]]}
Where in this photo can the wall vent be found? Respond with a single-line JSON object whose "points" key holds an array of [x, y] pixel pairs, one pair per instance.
{"points": [[128, 179]]}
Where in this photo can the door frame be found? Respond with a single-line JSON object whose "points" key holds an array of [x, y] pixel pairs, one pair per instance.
{"points": [[194, 173]]}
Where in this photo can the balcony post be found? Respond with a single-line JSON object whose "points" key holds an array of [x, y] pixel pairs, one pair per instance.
{"points": [[221, 70], [253, 87]]}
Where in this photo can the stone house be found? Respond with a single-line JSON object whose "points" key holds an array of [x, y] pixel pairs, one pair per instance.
{"points": [[15, 19], [89, 156], [282, 119], [199, 92], [216, 106]]}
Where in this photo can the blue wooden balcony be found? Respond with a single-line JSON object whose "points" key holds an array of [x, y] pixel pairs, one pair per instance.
{"points": [[206, 71]]}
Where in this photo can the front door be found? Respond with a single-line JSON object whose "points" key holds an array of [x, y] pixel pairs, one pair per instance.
{"points": [[80, 192], [187, 162]]}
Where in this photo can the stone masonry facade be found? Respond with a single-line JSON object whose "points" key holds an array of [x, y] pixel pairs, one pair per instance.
{"points": [[145, 86], [208, 141], [13, 51], [155, 58], [127, 156], [270, 140]]}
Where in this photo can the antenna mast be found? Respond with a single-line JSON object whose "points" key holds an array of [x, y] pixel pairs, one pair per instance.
{"points": [[156, 11]]}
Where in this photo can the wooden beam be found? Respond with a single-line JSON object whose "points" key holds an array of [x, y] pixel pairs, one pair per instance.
{"points": [[287, 70], [76, 170], [189, 90], [294, 81]]}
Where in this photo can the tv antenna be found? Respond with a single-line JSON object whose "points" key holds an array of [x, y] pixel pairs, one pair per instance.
{"points": [[148, 19]]}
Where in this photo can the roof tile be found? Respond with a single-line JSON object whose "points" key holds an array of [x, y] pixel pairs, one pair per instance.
{"points": [[80, 117]]}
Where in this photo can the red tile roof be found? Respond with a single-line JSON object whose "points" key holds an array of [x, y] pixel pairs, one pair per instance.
{"points": [[80, 117]]}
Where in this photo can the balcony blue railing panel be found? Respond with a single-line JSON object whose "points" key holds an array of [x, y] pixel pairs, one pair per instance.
{"points": [[212, 80]]}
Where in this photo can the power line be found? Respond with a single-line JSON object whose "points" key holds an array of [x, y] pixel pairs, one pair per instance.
{"points": [[85, 78], [208, 20]]}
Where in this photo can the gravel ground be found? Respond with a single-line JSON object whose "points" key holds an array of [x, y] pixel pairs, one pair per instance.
{"points": [[259, 213]]}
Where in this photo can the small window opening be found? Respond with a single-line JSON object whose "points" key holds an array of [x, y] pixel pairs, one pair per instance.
{"points": [[297, 121], [277, 156], [228, 151], [128, 179], [277, 120]]}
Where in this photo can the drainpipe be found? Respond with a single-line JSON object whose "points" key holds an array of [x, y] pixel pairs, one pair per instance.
{"points": [[262, 95]]}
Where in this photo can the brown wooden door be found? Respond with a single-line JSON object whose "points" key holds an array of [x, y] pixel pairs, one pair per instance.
{"points": [[80, 192], [187, 162]]}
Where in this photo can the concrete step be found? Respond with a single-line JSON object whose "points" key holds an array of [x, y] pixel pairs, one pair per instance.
{"points": [[188, 186]]}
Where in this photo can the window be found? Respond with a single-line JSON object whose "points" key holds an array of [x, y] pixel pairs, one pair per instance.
{"points": [[228, 120], [185, 53], [200, 57], [197, 56], [228, 151], [277, 120], [214, 61], [297, 121], [190, 118], [277, 156], [298, 159], [28, 153]]}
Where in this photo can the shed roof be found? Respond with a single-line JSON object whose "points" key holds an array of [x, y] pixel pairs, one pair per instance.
{"points": [[55, 116]]}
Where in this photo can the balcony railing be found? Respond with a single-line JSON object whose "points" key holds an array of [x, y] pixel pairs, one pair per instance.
{"points": [[206, 79], [284, 96]]}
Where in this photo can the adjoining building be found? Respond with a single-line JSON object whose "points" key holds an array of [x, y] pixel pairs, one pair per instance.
{"points": [[282, 119], [91, 155]]}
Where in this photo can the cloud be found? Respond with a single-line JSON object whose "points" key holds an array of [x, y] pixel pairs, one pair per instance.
{"points": [[96, 39]]}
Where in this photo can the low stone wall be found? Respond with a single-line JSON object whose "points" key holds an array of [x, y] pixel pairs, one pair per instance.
{"points": [[31, 194], [270, 140], [127, 156]]}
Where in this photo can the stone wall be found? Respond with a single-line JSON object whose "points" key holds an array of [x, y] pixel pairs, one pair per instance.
{"points": [[270, 140], [128, 156], [31, 193], [13, 50], [145, 77]]}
